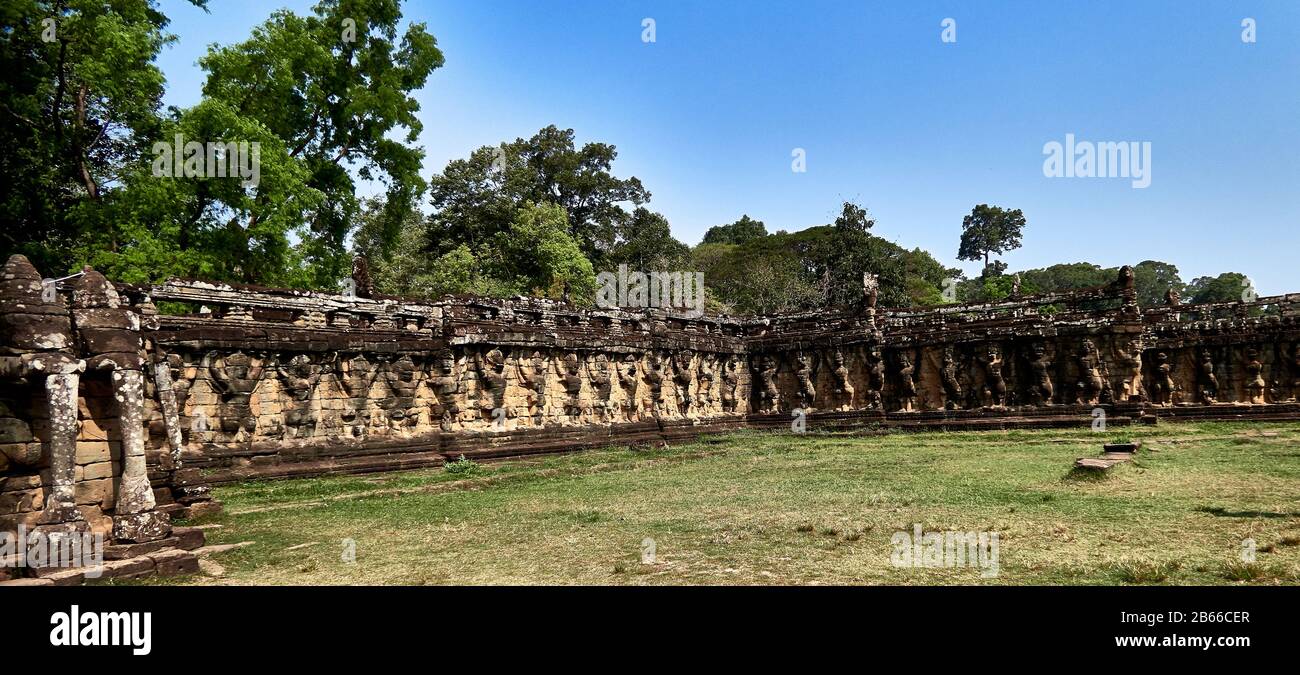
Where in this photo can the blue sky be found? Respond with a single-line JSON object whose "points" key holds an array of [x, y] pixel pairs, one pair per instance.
{"points": [[915, 129]]}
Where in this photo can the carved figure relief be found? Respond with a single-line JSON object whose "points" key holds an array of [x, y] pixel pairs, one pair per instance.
{"points": [[1090, 379], [1206, 379], [730, 384], [770, 394], [875, 378], [1130, 362], [843, 388], [1041, 389], [235, 377], [906, 382], [532, 375], [654, 379], [298, 378], [805, 373], [571, 375], [402, 377], [1162, 387], [629, 380], [602, 384], [994, 391], [1254, 377], [684, 378], [355, 377], [491, 370]]}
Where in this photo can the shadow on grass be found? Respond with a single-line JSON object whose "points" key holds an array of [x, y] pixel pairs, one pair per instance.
{"points": [[1222, 512], [1084, 475]]}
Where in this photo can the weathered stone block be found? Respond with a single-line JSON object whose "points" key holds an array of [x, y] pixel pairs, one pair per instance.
{"points": [[188, 538], [22, 454], [27, 582], [21, 501], [96, 470], [14, 430], [128, 568], [141, 527], [36, 331], [101, 492], [173, 562], [125, 551], [90, 452]]}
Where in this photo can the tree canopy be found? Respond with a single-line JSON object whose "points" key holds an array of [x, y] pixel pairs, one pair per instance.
{"points": [[988, 230], [739, 232], [323, 102]]}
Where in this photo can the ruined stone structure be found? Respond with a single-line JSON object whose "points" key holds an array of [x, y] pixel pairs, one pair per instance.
{"points": [[121, 404]]}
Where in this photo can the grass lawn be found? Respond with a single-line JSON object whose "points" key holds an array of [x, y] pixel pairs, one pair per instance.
{"points": [[763, 508]]}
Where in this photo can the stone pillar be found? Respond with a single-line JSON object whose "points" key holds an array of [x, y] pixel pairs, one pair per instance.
{"points": [[110, 337], [135, 494], [36, 347], [162, 378], [61, 396]]}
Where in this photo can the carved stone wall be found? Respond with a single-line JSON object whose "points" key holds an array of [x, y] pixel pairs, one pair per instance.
{"points": [[243, 382]]}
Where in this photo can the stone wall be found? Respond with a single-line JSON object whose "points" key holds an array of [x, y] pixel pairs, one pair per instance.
{"points": [[207, 383]]}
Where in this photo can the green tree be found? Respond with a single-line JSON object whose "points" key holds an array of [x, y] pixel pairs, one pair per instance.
{"points": [[646, 243], [201, 227], [1227, 287], [758, 278], [325, 106], [544, 258], [818, 267], [1066, 277], [1152, 279], [988, 230], [477, 197], [341, 102], [739, 232], [79, 98]]}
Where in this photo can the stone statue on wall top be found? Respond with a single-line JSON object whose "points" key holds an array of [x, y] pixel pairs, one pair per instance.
{"points": [[870, 290]]}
